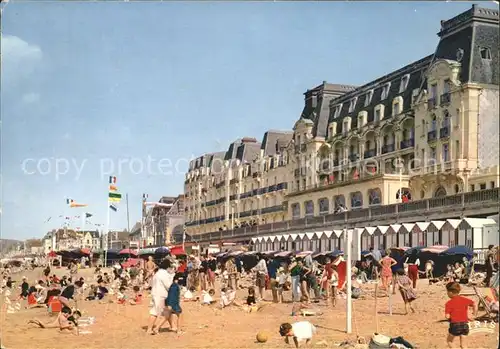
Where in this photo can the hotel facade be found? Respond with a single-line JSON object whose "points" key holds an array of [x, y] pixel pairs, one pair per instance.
{"points": [[429, 129]]}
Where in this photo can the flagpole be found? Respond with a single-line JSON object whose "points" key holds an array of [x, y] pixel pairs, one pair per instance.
{"points": [[128, 215]]}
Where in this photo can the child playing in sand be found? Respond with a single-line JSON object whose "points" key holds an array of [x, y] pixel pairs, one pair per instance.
{"points": [[137, 296], [405, 288], [173, 303], [282, 280], [65, 321], [456, 312], [298, 307], [299, 331], [207, 297], [335, 284], [251, 296]]}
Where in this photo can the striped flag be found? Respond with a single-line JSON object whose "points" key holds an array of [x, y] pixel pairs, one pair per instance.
{"points": [[114, 197], [75, 204], [113, 207], [112, 179]]}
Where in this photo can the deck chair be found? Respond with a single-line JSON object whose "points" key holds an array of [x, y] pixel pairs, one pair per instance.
{"points": [[482, 301]]}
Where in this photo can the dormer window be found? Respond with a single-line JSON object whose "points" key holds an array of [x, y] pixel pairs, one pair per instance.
{"points": [[414, 96], [404, 83], [396, 108], [385, 91], [368, 98], [485, 53], [336, 111], [346, 126], [352, 104], [377, 115]]}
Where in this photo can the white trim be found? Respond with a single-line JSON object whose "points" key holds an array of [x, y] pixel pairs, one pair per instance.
{"points": [[436, 225], [319, 235], [310, 236], [301, 235], [294, 236], [408, 227], [453, 223], [328, 233], [338, 232], [468, 223], [395, 228], [285, 237], [254, 240], [422, 226], [382, 229], [369, 230]]}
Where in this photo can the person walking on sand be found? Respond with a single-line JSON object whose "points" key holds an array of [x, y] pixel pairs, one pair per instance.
{"points": [[161, 282], [261, 271], [405, 288], [387, 262], [150, 268]]}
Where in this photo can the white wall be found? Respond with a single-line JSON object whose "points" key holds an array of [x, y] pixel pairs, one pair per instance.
{"points": [[490, 235]]}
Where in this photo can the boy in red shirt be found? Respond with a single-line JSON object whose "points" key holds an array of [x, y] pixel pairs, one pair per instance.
{"points": [[456, 311]]}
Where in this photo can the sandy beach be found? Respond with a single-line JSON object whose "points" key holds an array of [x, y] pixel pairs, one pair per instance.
{"points": [[123, 326]]}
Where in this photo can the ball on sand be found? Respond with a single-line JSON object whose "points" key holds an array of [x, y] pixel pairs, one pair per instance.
{"points": [[262, 337]]}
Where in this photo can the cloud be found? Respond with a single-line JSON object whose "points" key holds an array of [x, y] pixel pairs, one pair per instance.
{"points": [[20, 59], [31, 97]]}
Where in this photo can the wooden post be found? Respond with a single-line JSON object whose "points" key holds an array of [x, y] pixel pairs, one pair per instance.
{"points": [[376, 310]]}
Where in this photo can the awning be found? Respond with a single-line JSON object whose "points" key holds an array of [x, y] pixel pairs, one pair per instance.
{"points": [[407, 227], [369, 230], [382, 229], [435, 225], [420, 227]]}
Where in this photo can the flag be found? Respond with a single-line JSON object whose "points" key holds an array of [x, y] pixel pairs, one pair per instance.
{"points": [[112, 179], [115, 197], [113, 207], [88, 215], [113, 187]]}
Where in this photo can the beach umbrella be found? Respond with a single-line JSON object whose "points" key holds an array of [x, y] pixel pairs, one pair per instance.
{"points": [[303, 254], [177, 251], [162, 250], [283, 254], [413, 250], [52, 254], [127, 251], [434, 249], [146, 251], [335, 253], [458, 250]]}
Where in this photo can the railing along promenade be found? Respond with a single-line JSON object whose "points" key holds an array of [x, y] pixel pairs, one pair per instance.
{"points": [[483, 202]]}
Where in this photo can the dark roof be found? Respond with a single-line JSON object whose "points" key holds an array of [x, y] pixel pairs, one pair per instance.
{"points": [[416, 73], [316, 104], [248, 150], [472, 31], [216, 161], [273, 141]]}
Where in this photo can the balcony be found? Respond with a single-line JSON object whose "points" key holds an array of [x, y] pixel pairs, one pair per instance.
{"points": [[431, 136], [407, 143], [482, 202], [388, 148], [353, 157], [444, 132], [370, 153], [431, 103], [256, 174], [445, 99]]}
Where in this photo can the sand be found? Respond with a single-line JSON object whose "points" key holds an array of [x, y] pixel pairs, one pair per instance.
{"points": [[209, 327]]}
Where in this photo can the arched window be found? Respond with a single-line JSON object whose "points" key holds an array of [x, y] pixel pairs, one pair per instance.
{"points": [[309, 208], [406, 195], [339, 204], [356, 200], [374, 196], [440, 192], [324, 205]]}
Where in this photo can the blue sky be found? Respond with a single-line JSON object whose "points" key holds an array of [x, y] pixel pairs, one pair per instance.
{"points": [[107, 82]]}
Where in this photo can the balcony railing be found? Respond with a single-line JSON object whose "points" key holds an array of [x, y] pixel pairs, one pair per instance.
{"points": [[422, 210], [370, 153], [431, 103], [445, 98], [444, 132], [388, 148], [407, 143], [431, 136]]}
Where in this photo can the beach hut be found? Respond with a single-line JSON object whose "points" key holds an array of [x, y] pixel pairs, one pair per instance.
{"points": [[449, 232], [391, 236], [379, 238], [404, 234], [366, 238], [434, 232], [419, 234], [470, 232]]}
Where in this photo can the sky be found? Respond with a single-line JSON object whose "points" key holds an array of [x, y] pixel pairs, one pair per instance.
{"points": [[136, 90]]}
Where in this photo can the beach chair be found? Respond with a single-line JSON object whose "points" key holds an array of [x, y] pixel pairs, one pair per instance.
{"points": [[485, 304]]}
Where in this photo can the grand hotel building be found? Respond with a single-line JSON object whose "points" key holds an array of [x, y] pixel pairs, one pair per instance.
{"points": [[426, 130]]}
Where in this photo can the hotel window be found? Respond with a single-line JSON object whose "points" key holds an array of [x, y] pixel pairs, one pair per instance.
{"points": [[433, 123], [352, 104], [472, 187], [368, 98], [337, 110], [446, 152], [492, 184], [404, 83], [377, 115], [396, 108], [485, 53], [433, 94], [346, 126], [433, 154], [447, 86], [457, 149], [385, 91], [414, 96], [482, 186]]}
